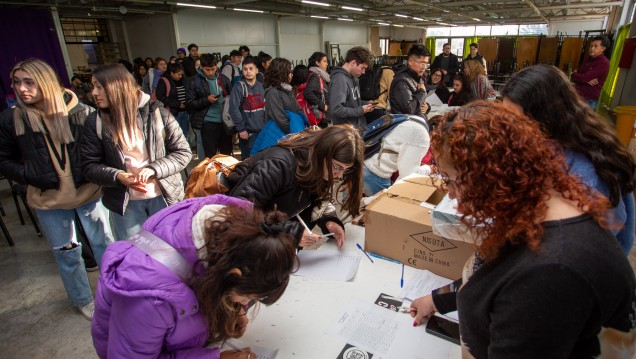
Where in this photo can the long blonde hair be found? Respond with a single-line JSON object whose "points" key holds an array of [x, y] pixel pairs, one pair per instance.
{"points": [[122, 93], [474, 68], [53, 97]]}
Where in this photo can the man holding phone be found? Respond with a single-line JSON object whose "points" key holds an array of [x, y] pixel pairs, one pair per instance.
{"points": [[408, 93], [204, 99], [345, 104]]}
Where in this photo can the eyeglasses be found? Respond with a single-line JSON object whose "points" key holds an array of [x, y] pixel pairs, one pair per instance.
{"points": [[337, 168], [421, 63], [436, 75], [446, 180]]}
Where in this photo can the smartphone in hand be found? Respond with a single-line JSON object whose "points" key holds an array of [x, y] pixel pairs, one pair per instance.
{"points": [[443, 328]]}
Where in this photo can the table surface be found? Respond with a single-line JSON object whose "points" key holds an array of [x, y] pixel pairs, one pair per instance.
{"points": [[298, 322]]}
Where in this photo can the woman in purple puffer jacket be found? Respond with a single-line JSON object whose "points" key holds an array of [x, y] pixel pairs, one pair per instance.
{"points": [[233, 256]]}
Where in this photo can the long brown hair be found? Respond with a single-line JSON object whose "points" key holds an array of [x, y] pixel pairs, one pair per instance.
{"points": [[506, 167], [259, 247], [315, 149], [53, 97], [474, 68], [122, 93]]}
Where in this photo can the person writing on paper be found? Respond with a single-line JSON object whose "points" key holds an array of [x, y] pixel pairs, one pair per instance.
{"points": [[435, 84], [591, 148], [299, 175], [134, 149], [548, 279], [229, 256]]}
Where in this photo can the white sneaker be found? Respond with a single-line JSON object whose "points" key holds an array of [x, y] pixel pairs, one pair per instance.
{"points": [[87, 310]]}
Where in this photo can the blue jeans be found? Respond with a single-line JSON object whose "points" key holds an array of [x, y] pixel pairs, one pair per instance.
{"points": [[183, 119], [58, 226], [592, 103], [246, 145], [200, 152], [372, 183], [136, 213]]}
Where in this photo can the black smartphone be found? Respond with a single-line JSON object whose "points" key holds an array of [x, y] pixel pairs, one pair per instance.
{"points": [[443, 328]]}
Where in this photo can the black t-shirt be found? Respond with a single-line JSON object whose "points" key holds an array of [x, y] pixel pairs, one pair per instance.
{"points": [[549, 303]]}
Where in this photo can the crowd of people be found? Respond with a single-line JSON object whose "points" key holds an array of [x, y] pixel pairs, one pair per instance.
{"points": [[548, 198]]}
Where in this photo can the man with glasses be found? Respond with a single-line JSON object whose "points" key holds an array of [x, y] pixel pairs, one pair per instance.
{"points": [[448, 62], [408, 93]]}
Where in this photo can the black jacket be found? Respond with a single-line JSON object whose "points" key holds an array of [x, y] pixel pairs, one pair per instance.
{"points": [[169, 100], [312, 92], [268, 179], [453, 67], [404, 95], [26, 159], [197, 92], [169, 152]]}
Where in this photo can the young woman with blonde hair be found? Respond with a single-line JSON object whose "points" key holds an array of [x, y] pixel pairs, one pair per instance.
{"points": [[40, 147], [134, 149], [478, 81]]}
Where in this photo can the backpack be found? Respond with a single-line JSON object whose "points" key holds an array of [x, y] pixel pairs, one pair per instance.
{"points": [[306, 107], [153, 96], [381, 127], [208, 177], [227, 119], [370, 83]]}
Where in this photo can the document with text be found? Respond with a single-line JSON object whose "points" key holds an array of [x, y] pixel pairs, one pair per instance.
{"points": [[385, 333]]}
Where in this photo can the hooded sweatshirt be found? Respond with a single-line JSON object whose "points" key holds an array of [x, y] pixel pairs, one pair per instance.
{"points": [[248, 114], [154, 313], [345, 103], [214, 111]]}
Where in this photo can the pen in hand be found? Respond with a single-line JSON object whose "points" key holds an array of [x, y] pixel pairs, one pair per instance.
{"points": [[363, 251]]}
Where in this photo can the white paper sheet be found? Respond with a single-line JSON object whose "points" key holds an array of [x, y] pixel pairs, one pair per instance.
{"points": [[434, 100], [328, 264], [261, 352], [385, 333], [422, 283]]}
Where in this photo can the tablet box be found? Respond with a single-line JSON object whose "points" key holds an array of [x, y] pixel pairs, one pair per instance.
{"points": [[398, 226]]}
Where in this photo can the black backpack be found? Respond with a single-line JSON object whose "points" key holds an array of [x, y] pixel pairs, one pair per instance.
{"points": [[370, 83], [381, 127]]}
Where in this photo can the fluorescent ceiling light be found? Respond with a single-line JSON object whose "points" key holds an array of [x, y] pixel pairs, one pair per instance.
{"points": [[398, 25], [418, 18], [196, 5], [400, 15], [383, 23], [343, 19], [319, 17], [315, 3], [249, 10], [476, 19], [352, 8]]}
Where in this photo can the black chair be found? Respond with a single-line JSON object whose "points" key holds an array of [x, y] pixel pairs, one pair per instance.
{"points": [[19, 191]]}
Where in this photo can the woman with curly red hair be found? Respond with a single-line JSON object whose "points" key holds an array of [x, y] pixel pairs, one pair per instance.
{"points": [[547, 276]]}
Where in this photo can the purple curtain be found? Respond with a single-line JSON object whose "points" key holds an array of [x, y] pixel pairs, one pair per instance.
{"points": [[26, 33]]}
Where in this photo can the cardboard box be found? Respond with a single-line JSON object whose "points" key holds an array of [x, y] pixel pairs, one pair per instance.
{"points": [[398, 226]]}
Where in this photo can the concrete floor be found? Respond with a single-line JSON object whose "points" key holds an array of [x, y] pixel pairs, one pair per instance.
{"points": [[36, 319]]}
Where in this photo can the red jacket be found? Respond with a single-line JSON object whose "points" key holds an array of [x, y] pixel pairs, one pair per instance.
{"points": [[592, 68]]}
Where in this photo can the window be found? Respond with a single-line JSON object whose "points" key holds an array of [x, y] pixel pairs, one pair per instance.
{"points": [[533, 29], [457, 46], [384, 46], [438, 31], [482, 30], [509, 30], [463, 31], [78, 30], [439, 44]]}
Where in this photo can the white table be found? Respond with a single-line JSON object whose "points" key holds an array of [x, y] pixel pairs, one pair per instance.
{"points": [[296, 324]]}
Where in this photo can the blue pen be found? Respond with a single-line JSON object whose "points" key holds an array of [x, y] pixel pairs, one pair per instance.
{"points": [[402, 280], [363, 251]]}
